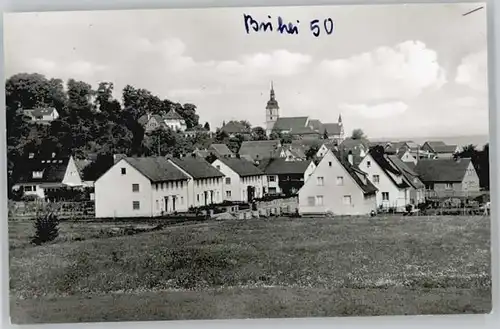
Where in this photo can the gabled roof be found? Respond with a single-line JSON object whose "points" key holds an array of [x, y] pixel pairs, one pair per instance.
{"points": [[197, 168], [145, 119], [304, 131], [316, 125], [332, 128], [365, 185], [388, 167], [354, 144], [220, 149], [279, 166], [306, 143], [442, 170], [81, 165], [235, 127], [242, 167], [52, 169], [41, 111], [173, 115], [445, 148], [290, 123], [258, 150], [408, 173], [157, 169]]}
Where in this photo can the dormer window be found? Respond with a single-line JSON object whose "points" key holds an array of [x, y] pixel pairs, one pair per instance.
{"points": [[31, 155], [37, 174]]}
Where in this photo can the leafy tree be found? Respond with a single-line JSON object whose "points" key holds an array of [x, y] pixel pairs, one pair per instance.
{"points": [[207, 126], [325, 134], [275, 134], [358, 134], [98, 167], [188, 113], [258, 134], [311, 152], [46, 229]]}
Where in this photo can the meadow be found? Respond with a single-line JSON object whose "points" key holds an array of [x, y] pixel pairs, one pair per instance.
{"points": [[277, 267]]}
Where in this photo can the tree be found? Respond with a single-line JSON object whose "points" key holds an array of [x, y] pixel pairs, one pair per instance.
{"points": [[188, 113], [325, 134], [275, 134], [311, 152], [258, 134], [358, 134], [207, 126], [46, 229]]}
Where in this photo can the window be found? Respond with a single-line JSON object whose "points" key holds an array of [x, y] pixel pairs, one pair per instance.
{"points": [[37, 174], [197, 197], [156, 186], [136, 205], [228, 180], [310, 201], [228, 194], [162, 186], [176, 184], [340, 180], [368, 164], [319, 200], [385, 196], [376, 179], [329, 163], [124, 171], [346, 199], [28, 188], [271, 178], [321, 181], [218, 167], [448, 186], [198, 183], [135, 187]]}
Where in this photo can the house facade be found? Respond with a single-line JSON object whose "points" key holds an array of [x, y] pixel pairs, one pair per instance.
{"points": [[39, 175], [242, 180], [42, 115], [408, 157], [205, 185], [257, 151], [286, 177], [141, 187], [337, 187], [448, 177], [171, 120], [393, 189], [439, 149]]}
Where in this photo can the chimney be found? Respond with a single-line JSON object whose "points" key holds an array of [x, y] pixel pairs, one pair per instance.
{"points": [[350, 158]]}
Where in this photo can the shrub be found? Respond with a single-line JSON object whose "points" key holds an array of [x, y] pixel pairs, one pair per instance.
{"points": [[46, 229]]}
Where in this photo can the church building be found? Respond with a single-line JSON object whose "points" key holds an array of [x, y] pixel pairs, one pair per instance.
{"points": [[300, 127]]}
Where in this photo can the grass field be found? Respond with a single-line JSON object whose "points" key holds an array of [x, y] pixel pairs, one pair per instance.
{"points": [[256, 268]]}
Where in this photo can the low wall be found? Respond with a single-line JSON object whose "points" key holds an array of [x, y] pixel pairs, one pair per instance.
{"points": [[278, 207], [28, 209]]}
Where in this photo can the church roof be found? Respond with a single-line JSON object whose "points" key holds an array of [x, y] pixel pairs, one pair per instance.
{"points": [[290, 123], [332, 128]]}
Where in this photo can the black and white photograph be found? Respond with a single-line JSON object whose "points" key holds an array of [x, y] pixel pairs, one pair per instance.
{"points": [[247, 162]]}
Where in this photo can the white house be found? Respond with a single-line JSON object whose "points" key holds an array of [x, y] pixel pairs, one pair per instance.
{"points": [[337, 187], [243, 181], [205, 186], [408, 157], [397, 186], [42, 115], [174, 121], [141, 187], [324, 148], [41, 174]]}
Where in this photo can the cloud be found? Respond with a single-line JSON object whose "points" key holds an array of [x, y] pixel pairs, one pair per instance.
{"points": [[400, 72], [381, 110], [473, 71]]}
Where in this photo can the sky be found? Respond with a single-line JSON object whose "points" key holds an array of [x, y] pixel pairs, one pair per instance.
{"points": [[392, 70]]}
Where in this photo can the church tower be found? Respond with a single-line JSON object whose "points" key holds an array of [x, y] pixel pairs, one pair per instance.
{"points": [[272, 111], [341, 129]]}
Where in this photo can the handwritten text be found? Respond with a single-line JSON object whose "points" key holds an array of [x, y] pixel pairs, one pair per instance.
{"points": [[317, 27]]}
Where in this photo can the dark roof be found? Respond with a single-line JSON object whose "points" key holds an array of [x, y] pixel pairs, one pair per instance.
{"points": [[306, 143], [388, 166], [409, 174], [304, 131], [53, 170], [442, 170], [157, 169], [41, 111], [242, 167], [235, 127], [316, 125], [81, 165], [290, 123], [173, 115], [258, 150], [220, 149], [445, 148], [332, 128], [365, 185], [196, 167], [279, 166]]}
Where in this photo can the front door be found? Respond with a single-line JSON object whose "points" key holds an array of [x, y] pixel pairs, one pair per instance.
{"points": [[166, 204], [173, 203], [250, 193]]}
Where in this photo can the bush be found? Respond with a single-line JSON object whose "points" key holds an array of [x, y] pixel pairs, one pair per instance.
{"points": [[46, 229]]}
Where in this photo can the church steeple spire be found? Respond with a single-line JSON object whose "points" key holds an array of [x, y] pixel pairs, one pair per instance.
{"points": [[272, 91], [340, 119], [272, 110]]}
